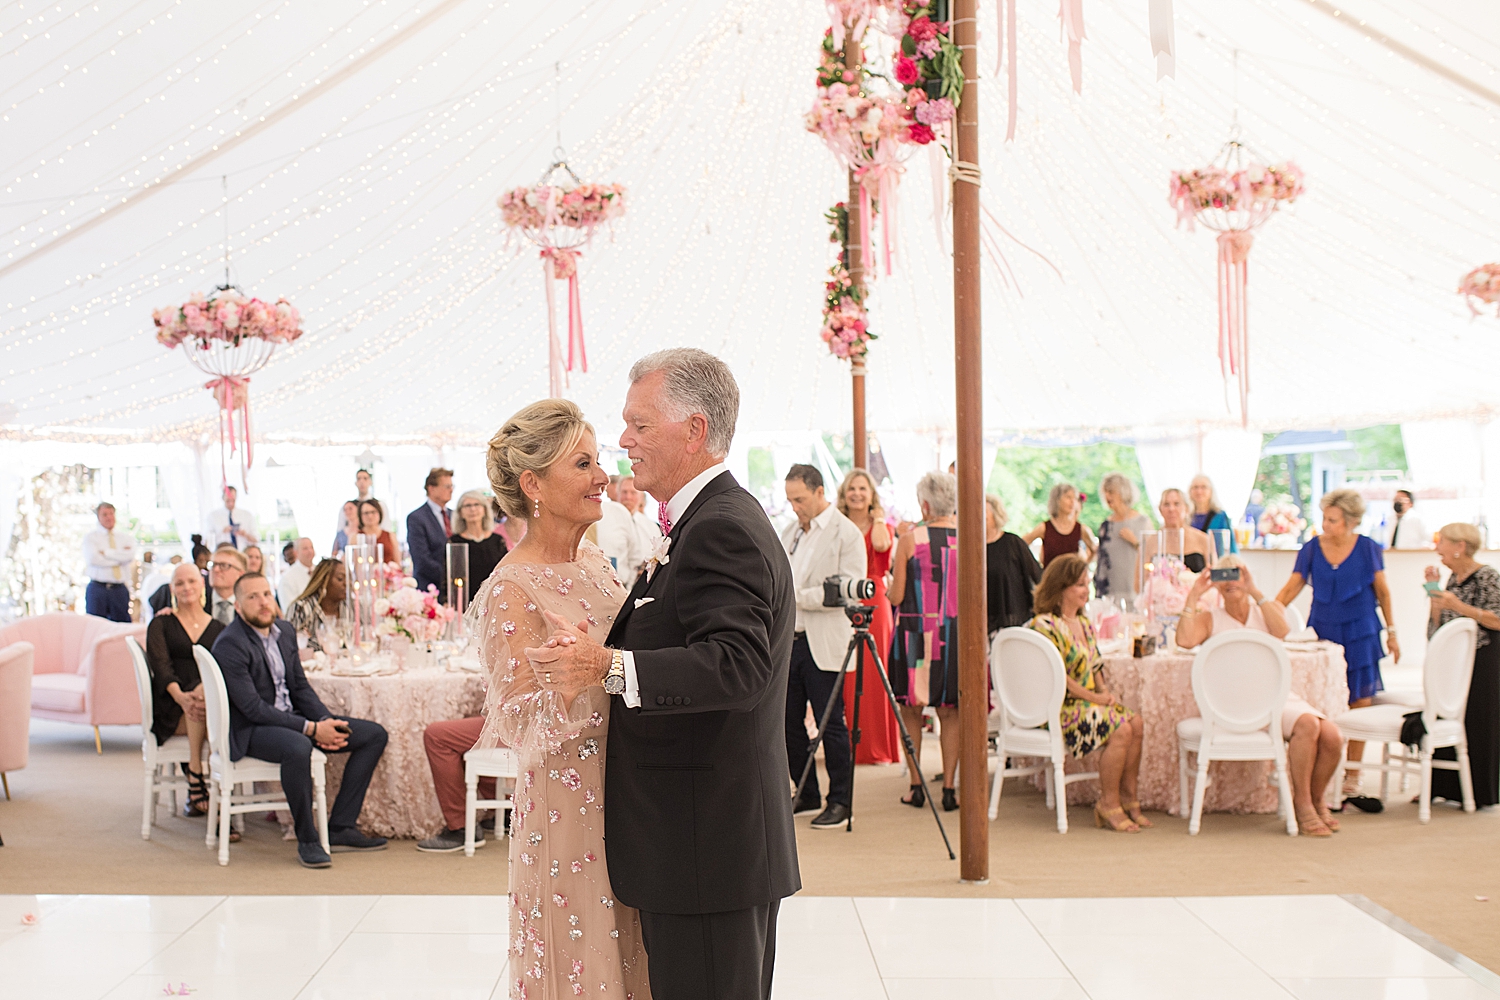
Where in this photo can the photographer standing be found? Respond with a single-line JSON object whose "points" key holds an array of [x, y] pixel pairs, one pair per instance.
{"points": [[821, 544]]}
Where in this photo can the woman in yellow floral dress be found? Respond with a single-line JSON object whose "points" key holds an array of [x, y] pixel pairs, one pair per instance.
{"points": [[1092, 718]]}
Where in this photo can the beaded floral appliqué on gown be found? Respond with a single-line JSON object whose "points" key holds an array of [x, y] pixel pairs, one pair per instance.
{"points": [[568, 935]]}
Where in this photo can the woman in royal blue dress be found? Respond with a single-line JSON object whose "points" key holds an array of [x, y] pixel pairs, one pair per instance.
{"points": [[1347, 575]]}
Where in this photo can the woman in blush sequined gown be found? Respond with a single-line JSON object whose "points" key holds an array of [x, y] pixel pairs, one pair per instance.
{"points": [[569, 937]]}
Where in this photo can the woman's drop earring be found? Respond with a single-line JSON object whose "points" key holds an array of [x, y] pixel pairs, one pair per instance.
{"points": [[536, 511]]}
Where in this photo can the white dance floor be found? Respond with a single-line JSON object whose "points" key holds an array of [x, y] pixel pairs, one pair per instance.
{"points": [[830, 948]]}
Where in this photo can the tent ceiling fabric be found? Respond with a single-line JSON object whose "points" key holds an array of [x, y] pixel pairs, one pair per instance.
{"points": [[367, 197]]}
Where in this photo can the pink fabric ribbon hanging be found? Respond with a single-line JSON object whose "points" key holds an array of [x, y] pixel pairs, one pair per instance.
{"points": [[1005, 42], [232, 393], [1234, 323], [1071, 13], [558, 263], [879, 180]]}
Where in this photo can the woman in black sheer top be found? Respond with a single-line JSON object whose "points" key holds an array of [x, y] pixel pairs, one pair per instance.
{"points": [[176, 689]]}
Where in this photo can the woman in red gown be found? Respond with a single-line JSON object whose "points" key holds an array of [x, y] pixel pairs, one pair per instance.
{"points": [[879, 738]]}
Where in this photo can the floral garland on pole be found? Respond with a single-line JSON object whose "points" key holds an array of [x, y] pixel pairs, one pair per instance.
{"points": [[846, 325], [561, 218], [1232, 196], [233, 336], [1481, 287]]}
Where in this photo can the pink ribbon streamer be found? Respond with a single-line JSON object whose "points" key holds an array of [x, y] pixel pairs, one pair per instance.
{"points": [[561, 263], [1071, 13], [1234, 325], [232, 393], [884, 176], [1005, 10]]}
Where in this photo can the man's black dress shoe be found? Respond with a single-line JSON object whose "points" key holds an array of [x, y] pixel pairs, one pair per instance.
{"points": [[834, 816], [312, 856], [342, 841]]}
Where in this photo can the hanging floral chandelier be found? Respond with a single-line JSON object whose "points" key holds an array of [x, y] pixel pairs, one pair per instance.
{"points": [[1233, 196], [230, 336], [1481, 287], [561, 218]]}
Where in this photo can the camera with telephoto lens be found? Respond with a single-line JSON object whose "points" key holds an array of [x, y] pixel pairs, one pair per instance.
{"points": [[840, 591]]}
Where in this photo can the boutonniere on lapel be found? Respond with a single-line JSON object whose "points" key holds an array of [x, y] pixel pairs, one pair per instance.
{"points": [[658, 558]]}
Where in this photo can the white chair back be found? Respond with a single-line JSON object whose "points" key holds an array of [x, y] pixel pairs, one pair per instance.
{"points": [[142, 684], [1448, 668], [1029, 678], [1240, 681], [215, 702], [1294, 620]]}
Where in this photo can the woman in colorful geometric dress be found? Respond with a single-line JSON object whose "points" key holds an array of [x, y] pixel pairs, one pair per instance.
{"points": [[1092, 718], [569, 936], [924, 648]]}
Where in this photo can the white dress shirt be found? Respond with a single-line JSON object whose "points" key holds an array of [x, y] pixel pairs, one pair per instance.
{"points": [[615, 536], [244, 533], [437, 512], [1408, 532], [647, 537], [831, 546], [221, 609], [293, 582], [676, 507], [108, 553]]}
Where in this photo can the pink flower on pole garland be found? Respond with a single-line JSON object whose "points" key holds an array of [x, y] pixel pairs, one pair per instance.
{"points": [[920, 134], [906, 71]]}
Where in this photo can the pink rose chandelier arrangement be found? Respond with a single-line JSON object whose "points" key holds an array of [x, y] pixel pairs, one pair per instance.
{"points": [[561, 219], [229, 336], [1233, 196], [1481, 287]]}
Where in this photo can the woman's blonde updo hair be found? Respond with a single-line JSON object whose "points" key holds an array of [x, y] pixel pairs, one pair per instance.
{"points": [[534, 438]]}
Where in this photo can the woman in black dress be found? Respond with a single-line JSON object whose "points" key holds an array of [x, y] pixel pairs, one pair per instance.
{"points": [[1473, 591], [1011, 571], [176, 690], [476, 527]]}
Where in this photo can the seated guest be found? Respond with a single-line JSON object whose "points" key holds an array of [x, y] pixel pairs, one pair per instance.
{"points": [[318, 605], [1473, 591], [228, 566], [1196, 548], [1011, 571], [1091, 717], [255, 560], [370, 516], [1314, 744], [1207, 514], [289, 553], [476, 527], [275, 715], [446, 742], [1062, 532], [176, 694], [294, 578], [348, 527]]}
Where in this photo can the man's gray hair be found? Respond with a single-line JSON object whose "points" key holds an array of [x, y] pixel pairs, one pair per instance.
{"points": [[695, 381], [939, 491]]}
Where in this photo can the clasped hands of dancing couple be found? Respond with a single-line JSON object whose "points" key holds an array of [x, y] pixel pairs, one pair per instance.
{"points": [[679, 685]]}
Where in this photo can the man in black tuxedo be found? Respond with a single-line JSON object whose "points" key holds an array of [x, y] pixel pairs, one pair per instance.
{"points": [[698, 816], [275, 715]]}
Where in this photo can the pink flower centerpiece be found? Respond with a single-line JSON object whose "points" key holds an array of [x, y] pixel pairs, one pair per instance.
{"points": [[1282, 525], [413, 614], [1481, 287]]}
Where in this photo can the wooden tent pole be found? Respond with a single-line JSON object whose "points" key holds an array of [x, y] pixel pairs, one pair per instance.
{"points": [[853, 57], [973, 687]]}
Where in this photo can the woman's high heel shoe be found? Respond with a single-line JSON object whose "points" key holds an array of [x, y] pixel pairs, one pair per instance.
{"points": [[197, 802], [1115, 819], [1133, 810], [917, 798], [950, 800]]}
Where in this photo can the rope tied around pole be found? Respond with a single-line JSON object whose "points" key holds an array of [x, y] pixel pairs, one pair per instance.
{"points": [[964, 171]]}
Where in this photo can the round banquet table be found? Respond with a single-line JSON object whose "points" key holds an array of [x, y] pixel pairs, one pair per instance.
{"points": [[1160, 689], [400, 801]]}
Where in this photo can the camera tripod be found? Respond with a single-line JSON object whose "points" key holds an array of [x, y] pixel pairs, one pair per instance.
{"points": [[860, 617]]}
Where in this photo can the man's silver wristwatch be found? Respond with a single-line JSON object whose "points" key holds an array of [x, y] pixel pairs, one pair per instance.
{"points": [[614, 681]]}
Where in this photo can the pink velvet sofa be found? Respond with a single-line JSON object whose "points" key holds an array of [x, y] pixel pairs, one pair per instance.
{"points": [[15, 708], [82, 670]]}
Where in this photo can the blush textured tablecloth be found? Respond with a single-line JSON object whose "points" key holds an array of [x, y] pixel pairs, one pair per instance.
{"points": [[1160, 688], [400, 801]]}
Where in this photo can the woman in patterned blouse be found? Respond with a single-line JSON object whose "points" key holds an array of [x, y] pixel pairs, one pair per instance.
{"points": [[1473, 591], [1091, 717]]}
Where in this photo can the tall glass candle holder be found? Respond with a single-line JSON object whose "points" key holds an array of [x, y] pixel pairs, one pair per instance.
{"points": [[362, 582], [458, 576]]}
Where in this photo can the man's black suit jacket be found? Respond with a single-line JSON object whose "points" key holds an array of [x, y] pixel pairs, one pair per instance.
{"points": [[252, 692], [698, 815]]}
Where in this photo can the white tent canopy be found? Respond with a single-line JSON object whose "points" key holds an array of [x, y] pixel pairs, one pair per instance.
{"points": [[364, 144]]}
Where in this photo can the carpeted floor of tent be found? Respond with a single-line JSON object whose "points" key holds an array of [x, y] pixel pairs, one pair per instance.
{"points": [[73, 826]]}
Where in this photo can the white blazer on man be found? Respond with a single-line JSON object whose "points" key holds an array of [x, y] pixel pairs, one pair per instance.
{"points": [[831, 545]]}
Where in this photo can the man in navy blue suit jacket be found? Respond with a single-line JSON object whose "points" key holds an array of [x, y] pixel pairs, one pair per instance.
{"points": [[427, 531], [275, 715]]}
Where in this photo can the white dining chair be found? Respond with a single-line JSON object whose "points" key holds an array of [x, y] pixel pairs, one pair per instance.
{"points": [[1295, 622], [498, 763], [166, 765], [1446, 672], [225, 775], [1240, 682], [1030, 682]]}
